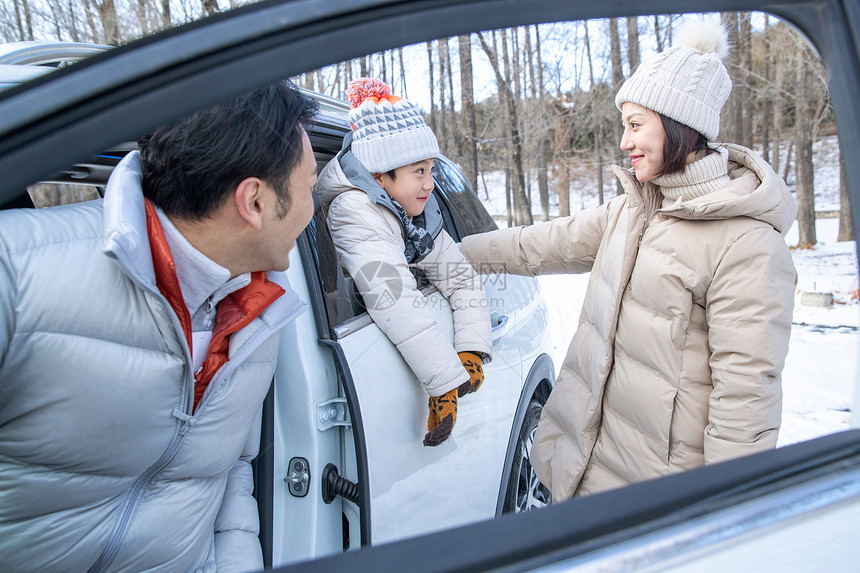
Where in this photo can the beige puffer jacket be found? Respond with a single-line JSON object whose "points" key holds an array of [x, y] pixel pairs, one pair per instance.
{"points": [[370, 244], [683, 333]]}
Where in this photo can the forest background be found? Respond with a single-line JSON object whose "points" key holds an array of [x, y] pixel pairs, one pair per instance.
{"points": [[535, 103]]}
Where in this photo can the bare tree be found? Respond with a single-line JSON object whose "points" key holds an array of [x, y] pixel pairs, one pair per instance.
{"points": [[522, 212], [210, 7], [596, 124], [745, 135], [804, 127], [431, 66], [766, 93], [110, 22], [617, 80], [731, 122], [633, 42], [846, 228], [533, 58], [469, 147], [441, 123]]}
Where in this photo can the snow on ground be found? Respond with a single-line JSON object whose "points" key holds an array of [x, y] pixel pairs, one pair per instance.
{"points": [[819, 375]]}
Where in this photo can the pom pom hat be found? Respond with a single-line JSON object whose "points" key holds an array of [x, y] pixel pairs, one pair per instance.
{"points": [[389, 131], [687, 82]]}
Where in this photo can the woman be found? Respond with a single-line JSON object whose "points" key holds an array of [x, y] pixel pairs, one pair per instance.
{"points": [[684, 329]]}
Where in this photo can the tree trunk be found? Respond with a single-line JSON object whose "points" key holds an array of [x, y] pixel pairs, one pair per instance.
{"points": [[745, 113], [166, 20], [432, 81], [210, 7], [596, 127], [522, 211], [657, 33], [542, 143], [846, 228], [469, 149], [617, 80], [402, 72], [563, 189], [56, 16], [537, 96], [789, 154], [441, 122], [28, 19], [731, 121], [142, 17], [779, 77], [107, 13], [803, 135], [633, 43], [766, 94], [454, 145]]}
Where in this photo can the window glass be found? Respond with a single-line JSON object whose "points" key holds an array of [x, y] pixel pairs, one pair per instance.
{"points": [[470, 215]]}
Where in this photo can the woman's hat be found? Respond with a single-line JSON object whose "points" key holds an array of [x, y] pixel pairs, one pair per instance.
{"points": [[687, 82], [389, 131]]}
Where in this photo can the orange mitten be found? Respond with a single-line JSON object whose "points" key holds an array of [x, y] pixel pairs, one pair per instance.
{"points": [[443, 414], [472, 363]]}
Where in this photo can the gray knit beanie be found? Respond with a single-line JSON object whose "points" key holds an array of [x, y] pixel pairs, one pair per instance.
{"points": [[687, 82], [389, 130]]}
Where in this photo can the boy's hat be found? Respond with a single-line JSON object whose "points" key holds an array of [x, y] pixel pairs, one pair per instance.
{"points": [[687, 82], [389, 130]]}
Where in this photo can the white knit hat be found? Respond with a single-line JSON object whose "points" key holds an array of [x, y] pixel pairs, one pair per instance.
{"points": [[389, 130], [687, 82]]}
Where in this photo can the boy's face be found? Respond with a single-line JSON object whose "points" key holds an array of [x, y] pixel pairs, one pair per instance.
{"points": [[411, 185]]}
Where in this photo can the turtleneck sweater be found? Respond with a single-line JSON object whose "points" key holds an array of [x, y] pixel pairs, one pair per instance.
{"points": [[699, 178], [203, 281]]}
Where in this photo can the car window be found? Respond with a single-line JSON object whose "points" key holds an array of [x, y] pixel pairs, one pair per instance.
{"points": [[50, 194]]}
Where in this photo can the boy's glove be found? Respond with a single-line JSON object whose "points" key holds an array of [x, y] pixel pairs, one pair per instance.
{"points": [[443, 414], [472, 363]]}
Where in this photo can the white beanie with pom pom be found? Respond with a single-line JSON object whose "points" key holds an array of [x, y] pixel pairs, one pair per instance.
{"points": [[687, 82]]}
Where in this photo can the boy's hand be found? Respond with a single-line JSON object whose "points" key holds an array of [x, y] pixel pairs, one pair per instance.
{"points": [[472, 363], [443, 414]]}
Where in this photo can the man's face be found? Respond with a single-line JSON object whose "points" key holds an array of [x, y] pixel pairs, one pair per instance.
{"points": [[280, 233], [411, 186]]}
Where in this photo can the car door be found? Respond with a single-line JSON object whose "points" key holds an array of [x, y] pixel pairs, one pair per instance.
{"points": [[416, 489]]}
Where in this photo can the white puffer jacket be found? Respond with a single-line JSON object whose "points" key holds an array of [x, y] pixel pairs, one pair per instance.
{"points": [[683, 333], [103, 466], [369, 240]]}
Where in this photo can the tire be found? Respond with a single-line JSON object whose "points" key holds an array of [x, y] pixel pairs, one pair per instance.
{"points": [[525, 492]]}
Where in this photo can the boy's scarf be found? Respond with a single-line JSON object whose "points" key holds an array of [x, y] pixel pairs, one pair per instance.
{"points": [[418, 241]]}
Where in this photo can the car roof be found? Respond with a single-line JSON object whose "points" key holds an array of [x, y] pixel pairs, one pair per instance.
{"points": [[47, 53], [21, 62]]}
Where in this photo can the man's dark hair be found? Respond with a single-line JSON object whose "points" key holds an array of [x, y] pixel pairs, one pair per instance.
{"points": [[191, 166], [681, 141]]}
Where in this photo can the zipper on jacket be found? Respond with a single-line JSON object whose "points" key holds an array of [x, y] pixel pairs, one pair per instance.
{"points": [[187, 420], [110, 550]]}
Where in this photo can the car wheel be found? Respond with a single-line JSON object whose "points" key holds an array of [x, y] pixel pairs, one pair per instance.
{"points": [[525, 491]]}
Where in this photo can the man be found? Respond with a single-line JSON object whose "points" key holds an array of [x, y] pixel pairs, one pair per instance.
{"points": [[138, 338]]}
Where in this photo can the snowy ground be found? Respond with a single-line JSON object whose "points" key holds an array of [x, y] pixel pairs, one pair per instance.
{"points": [[819, 376]]}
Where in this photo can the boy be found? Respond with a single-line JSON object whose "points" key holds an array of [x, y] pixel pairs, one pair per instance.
{"points": [[378, 195]]}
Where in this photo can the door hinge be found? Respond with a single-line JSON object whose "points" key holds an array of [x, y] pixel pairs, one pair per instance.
{"points": [[332, 413]]}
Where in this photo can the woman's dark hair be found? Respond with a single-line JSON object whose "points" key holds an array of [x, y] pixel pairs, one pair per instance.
{"points": [[680, 142], [192, 165]]}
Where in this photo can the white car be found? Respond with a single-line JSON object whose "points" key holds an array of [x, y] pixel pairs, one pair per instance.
{"points": [[342, 452]]}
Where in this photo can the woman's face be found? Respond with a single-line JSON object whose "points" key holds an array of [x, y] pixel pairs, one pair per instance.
{"points": [[643, 139]]}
